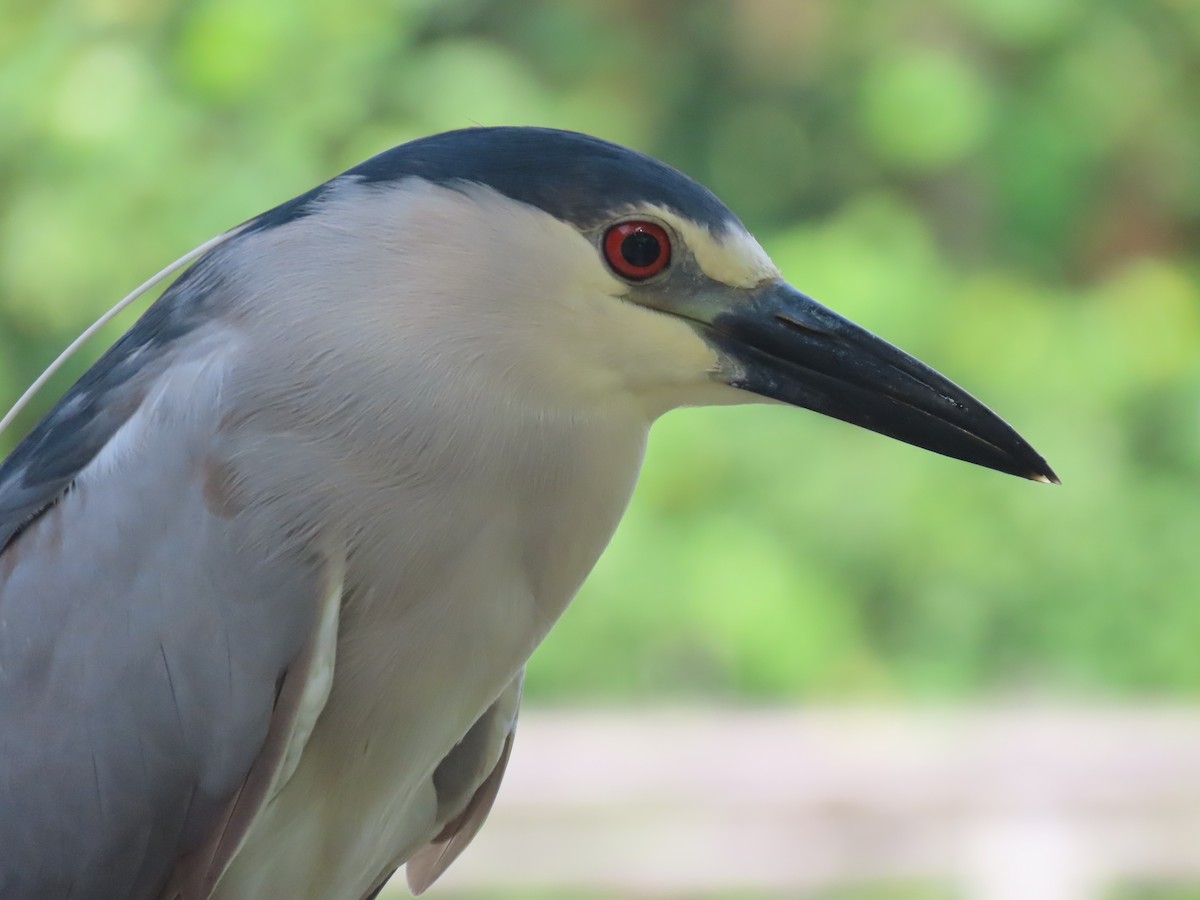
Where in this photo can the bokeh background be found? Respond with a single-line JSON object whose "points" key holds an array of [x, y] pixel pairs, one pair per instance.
{"points": [[1009, 189]]}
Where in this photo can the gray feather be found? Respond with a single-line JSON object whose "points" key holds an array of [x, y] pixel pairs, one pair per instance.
{"points": [[41, 468], [144, 624], [467, 782]]}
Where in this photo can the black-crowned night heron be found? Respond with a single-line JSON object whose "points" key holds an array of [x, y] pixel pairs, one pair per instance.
{"points": [[270, 572]]}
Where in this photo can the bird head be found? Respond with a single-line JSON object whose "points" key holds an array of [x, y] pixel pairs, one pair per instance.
{"points": [[586, 269]]}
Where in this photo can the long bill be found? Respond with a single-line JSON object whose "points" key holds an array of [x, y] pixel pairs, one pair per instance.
{"points": [[782, 344]]}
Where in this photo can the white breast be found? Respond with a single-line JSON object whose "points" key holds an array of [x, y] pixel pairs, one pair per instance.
{"points": [[461, 591]]}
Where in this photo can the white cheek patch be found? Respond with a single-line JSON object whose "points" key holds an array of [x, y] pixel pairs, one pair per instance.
{"points": [[733, 257]]}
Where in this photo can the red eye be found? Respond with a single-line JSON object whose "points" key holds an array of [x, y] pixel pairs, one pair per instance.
{"points": [[637, 250]]}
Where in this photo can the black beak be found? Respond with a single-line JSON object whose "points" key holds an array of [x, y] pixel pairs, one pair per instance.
{"points": [[786, 346]]}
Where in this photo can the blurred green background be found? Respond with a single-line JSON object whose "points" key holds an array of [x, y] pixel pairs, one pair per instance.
{"points": [[1009, 189]]}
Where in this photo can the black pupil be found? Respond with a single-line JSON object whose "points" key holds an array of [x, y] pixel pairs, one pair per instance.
{"points": [[641, 249]]}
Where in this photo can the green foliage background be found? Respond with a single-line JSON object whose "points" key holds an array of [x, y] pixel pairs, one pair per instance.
{"points": [[1009, 189]]}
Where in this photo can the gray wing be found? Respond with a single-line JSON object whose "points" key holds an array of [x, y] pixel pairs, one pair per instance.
{"points": [[42, 467], [467, 782], [146, 626]]}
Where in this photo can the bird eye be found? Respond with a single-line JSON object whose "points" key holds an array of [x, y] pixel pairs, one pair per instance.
{"points": [[637, 250]]}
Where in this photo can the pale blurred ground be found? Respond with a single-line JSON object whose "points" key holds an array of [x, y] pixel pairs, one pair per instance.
{"points": [[1036, 803]]}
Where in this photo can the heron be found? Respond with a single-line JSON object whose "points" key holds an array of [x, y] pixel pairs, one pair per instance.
{"points": [[271, 570]]}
